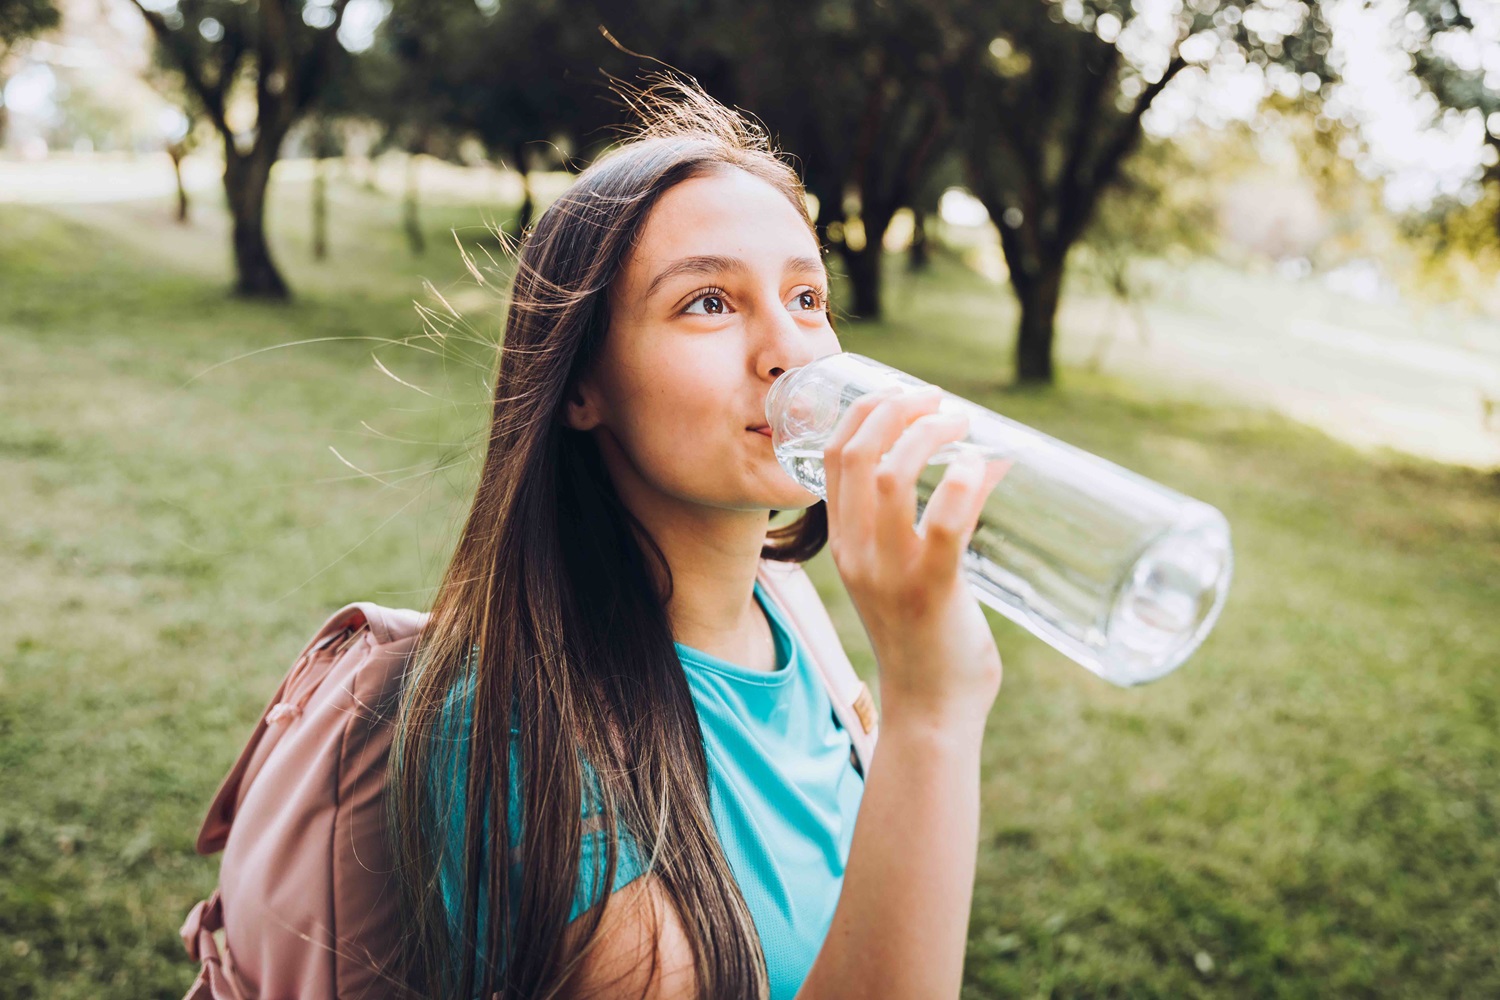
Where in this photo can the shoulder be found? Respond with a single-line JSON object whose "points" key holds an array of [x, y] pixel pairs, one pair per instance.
{"points": [[639, 949]]}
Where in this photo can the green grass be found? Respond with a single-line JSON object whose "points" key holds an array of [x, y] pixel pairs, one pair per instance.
{"points": [[1308, 808]]}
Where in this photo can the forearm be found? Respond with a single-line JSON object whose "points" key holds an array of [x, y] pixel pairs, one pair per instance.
{"points": [[901, 924]]}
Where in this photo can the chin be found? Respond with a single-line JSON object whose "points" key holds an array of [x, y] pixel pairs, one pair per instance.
{"points": [[793, 497]]}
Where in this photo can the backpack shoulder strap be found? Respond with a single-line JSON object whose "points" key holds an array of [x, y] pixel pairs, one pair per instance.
{"points": [[795, 595]]}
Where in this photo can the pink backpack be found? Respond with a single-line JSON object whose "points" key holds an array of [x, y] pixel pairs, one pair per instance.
{"points": [[306, 901]]}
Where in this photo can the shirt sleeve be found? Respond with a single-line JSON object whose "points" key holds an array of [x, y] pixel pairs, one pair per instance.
{"points": [[455, 726], [593, 858]]}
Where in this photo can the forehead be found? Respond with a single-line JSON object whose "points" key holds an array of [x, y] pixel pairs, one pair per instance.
{"points": [[730, 213]]}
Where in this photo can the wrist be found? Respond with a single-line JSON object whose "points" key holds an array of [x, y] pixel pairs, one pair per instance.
{"points": [[939, 728]]}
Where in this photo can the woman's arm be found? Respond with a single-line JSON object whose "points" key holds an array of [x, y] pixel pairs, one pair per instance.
{"points": [[902, 918], [901, 924]]}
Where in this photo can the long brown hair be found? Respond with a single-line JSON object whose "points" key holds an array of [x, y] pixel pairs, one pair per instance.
{"points": [[549, 613]]}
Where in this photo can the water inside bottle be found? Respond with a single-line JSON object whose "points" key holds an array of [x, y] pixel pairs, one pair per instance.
{"points": [[805, 464], [1056, 572]]}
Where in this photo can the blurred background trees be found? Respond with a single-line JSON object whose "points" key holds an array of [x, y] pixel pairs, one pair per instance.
{"points": [[282, 51], [20, 20], [1053, 97], [1035, 108]]}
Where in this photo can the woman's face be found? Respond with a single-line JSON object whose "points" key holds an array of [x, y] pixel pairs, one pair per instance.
{"points": [[724, 290]]}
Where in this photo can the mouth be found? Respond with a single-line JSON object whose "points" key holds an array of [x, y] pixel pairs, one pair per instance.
{"points": [[763, 429]]}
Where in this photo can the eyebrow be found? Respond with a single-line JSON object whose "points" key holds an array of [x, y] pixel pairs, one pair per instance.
{"points": [[711, 264]]}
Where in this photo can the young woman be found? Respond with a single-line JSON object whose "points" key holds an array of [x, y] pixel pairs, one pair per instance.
{"points": [[611, 728]]}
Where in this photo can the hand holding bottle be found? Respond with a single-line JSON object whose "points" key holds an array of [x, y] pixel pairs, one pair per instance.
{"points": [[938, 660]]}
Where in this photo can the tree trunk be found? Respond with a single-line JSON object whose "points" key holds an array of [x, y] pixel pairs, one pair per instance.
{"points": [[1038, 294], [177, 153], [320, 209], [918, 257], [864, 264], [864, 277], [246, 177], [409, 217], [830, 210], [528, 202]]}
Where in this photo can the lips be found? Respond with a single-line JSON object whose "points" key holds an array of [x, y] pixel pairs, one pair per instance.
{"points": [[766, 430]]}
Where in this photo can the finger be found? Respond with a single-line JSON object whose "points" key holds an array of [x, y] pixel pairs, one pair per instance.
{"points": [[847, 424], [953, 510], [897, 473], [855, 414], [995, 470], [864, 450]]}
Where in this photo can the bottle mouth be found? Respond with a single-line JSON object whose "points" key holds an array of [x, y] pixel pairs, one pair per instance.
{"points": [[794, 413], [777, 398]]}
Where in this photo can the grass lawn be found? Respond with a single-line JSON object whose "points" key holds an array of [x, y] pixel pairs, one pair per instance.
{"points": [[1308, 808]]}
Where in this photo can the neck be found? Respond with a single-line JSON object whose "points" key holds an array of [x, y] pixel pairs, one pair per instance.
{"points": [[713, 553]]}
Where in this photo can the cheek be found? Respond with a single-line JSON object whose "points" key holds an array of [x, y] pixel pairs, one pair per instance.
{"points": [[681, 423]]}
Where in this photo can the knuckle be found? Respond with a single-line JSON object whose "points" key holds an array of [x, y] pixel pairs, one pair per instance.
{"points": [[942, 530], [949, 526], [854, 573], [889, 479], [961, 486]]}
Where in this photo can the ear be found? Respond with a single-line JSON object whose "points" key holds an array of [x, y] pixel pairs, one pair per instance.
{"points": [[581, 409]]}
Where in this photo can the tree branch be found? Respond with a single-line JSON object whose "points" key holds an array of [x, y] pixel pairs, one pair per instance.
{"points": [[869, 126], [273, 74], [916, 164], [319, 59], [211, 97], [1107, 166], [1085, 116]]}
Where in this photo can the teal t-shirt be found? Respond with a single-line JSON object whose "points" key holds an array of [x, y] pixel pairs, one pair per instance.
{"points": [[784, 795]]}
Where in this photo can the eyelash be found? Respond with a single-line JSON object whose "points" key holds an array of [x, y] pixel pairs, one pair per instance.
{"points": [[699, 296]]}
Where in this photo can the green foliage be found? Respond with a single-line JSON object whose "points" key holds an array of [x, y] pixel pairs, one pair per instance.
{"points": [[1162, 206], [1308, 808], [1433, 30], [1455, 251], [22, 19]]}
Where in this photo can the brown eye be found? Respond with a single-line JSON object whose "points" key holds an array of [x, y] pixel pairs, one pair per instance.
{"points": [[713, 305], [808, 300]]}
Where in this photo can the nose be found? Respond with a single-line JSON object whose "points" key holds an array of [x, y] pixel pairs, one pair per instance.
{"points": [[783, 344]]}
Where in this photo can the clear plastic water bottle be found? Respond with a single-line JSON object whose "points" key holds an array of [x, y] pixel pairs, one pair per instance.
{"points": [[1119, 573]]}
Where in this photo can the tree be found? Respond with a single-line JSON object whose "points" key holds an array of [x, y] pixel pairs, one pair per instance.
{"points": [[851, 87], [1162, 206], [510, 76], [856, 98], [20, 20], [1447, 50], [859, 99], [284, 50], [179, 145], [1052, 94], [323, 144]]}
